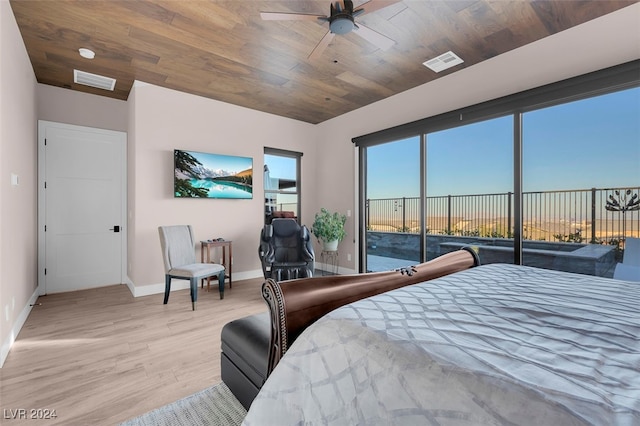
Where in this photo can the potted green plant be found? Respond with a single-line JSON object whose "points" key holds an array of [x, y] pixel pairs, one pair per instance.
{"points": [[329, 229]]}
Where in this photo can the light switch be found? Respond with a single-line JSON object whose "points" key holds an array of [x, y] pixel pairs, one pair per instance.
{"points": [[14, 179]]}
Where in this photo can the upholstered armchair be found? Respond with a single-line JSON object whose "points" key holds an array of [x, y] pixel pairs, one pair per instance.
{"points": [[286, 250], [629, 269], [177, 243]]}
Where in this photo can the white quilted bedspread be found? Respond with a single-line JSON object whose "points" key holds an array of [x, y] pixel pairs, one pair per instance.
{"points": [[493, 345]]}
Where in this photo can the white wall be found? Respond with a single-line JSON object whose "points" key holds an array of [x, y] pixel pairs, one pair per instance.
{"points": [[18, 126], [604, 42], [82, 109], [164, 120]]}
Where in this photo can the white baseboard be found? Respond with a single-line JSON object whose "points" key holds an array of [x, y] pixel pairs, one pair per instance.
{"points": [[331, 269], [148, 290], [17, 326], [247, 275], [346, 271]]}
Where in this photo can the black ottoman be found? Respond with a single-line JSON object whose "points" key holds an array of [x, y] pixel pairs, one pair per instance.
{"points": [[245, 353]]}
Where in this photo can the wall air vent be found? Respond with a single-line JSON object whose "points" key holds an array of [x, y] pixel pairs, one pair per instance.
{"points": [[93, 80], [442, 62]]}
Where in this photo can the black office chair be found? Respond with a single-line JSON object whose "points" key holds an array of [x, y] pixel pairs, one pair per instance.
{"points": [[286, 250]]}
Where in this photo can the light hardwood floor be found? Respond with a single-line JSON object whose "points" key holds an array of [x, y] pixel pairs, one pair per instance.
{"points": [[100, 357]]}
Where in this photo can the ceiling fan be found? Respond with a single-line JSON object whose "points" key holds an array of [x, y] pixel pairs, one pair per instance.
{"points": [[341, 20]]}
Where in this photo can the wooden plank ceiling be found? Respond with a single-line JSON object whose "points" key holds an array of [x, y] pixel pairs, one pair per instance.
{"points": [[223, 49]]}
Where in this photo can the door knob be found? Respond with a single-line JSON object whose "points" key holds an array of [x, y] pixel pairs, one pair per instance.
{"points": [[116, 228]]}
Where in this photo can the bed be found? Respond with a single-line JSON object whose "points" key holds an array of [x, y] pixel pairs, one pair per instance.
{"points": [[495, 344]]}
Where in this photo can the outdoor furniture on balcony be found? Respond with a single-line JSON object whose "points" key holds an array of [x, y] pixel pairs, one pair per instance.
{"points": [[629, 269], [591, 259]]}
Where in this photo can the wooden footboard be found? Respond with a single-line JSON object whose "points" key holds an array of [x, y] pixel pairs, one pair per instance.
{"points": [[296, 304]]}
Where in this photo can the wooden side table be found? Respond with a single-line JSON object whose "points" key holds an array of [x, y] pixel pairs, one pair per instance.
{"points": [[227, 255]]}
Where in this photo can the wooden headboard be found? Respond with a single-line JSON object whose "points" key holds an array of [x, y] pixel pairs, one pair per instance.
{"points": [[296, 304]]}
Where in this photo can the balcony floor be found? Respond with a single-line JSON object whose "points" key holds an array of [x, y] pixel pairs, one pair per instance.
{"points": [[381, 263]]}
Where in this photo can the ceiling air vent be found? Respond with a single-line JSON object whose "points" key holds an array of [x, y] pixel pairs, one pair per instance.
{"points": [[93, 80], [442, 62]]}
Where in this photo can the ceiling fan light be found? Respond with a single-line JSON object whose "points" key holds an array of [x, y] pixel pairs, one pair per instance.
{"points": [[341, 25]]}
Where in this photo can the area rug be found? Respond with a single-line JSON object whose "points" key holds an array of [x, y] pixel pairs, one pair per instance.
{"points": [[213, 406]]}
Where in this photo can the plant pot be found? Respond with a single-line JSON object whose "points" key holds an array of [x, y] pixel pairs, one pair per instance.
{"points": [[330, 245]]}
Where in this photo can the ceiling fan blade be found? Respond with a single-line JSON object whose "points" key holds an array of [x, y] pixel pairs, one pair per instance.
{"points": [[321, 46], [277, 16], [373, 5], [348, 5], [374, 37]]}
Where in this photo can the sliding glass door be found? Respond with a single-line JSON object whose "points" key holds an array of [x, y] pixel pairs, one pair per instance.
{"points": [[391, 210], [581, 170], [549, 177], [469, 197]]}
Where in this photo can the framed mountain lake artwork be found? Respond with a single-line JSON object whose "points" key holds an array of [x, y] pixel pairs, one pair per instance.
{"points": [[207, 175]]}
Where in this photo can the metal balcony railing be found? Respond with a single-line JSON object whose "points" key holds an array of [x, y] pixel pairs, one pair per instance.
{"points": [[596, 215]]}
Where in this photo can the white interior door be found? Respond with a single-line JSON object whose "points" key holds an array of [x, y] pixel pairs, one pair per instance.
{"points": [[82, 176]]}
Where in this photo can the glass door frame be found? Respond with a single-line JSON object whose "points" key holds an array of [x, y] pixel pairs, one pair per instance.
{"points": [[620, 77]]}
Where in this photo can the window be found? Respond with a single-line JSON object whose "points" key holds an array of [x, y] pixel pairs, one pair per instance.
{"points": [[578, 157], [548, 177], [281, 184], [469, 189], [469, 181], [392, 206]]}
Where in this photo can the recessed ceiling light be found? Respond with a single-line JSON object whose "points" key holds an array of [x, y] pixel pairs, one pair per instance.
{"points": [[87, 53]]}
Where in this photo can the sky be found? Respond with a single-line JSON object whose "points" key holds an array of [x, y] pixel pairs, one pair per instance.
{"points": [[280, 166], [228, 163], [592, 143]]}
